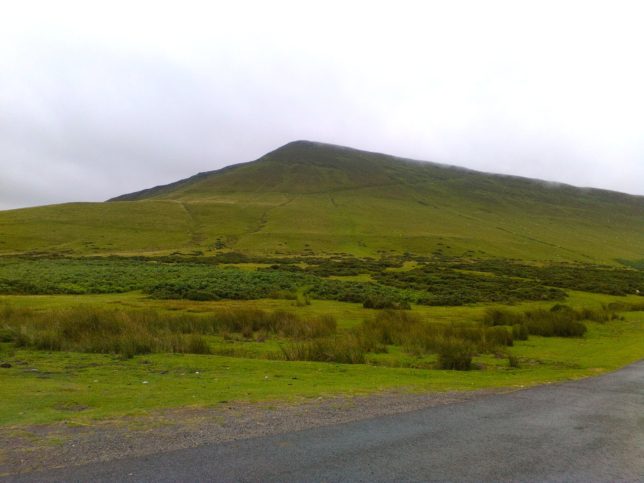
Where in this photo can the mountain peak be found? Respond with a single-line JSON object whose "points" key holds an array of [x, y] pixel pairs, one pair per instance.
{"points": [[297, 167], [307, 149], [305, 143], [331, 199], [309, 167], [302, 143]]}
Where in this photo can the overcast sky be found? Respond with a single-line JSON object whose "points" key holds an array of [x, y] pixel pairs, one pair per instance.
{"points": [[103, 98]]}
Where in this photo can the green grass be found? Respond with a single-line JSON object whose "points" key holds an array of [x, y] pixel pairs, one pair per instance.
{"points": [[109, 387], [106, 386], [154, 226], [605, 347]]}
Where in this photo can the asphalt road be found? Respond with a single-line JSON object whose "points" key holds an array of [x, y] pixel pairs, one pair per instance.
{"points": [[590, 430]]}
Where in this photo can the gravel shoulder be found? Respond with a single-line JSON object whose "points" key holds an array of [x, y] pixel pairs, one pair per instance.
{"points": [[36, 448]]}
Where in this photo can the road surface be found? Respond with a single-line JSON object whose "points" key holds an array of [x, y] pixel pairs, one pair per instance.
{"points": [[588, 430]]}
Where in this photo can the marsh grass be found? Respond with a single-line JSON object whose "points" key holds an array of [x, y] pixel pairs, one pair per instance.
{"points": [[132, 332], [455, 355], [315, 338], [242, 332], [625, 306], [560, 321], [455, 344], [418, 336], [346, 349]]}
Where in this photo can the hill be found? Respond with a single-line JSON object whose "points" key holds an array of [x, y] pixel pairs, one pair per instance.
{"points": [[309, 197]]}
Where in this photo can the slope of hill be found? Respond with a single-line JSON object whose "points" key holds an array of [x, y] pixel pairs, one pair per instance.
{"points": [[312, 197]]}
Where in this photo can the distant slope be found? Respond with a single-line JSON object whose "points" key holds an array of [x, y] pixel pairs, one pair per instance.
{"points": [[324, 198]]}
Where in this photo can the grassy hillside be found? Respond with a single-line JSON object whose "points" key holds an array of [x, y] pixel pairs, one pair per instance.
{"points": [[308, 197]]}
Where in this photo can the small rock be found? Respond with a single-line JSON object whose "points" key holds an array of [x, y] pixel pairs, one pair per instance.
{"points": [[145, 382], [5, 365]]}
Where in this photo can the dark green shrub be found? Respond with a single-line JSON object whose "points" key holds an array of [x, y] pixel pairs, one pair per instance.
{"points": [[576, 276]]}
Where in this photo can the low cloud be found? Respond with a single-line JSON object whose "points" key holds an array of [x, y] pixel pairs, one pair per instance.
{"points": [[94, 104]]}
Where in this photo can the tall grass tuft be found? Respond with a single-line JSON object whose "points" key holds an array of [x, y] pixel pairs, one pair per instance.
{"points": [[454, 343], [133, 332], [455, 355], [560, 321], [347, 349]]}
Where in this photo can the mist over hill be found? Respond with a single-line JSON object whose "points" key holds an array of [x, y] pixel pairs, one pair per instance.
{"points": [[308, 197]]}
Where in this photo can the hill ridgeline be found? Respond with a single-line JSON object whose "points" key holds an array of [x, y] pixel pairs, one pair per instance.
{"points": [[308, 197]]}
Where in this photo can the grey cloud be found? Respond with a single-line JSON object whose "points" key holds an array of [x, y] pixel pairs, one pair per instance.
{"points": [[88, 112]]}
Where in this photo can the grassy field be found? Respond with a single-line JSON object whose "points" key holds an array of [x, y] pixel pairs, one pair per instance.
{"points": [[46, 386]]}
